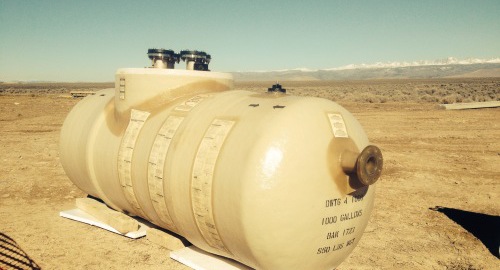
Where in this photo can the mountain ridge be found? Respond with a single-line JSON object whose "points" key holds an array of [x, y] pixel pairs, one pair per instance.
{"points": [[444, 68]]}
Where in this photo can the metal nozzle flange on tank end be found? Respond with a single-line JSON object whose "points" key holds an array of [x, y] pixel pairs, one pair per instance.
{"points": [[366, 166], [162, 58], [196, 60]]}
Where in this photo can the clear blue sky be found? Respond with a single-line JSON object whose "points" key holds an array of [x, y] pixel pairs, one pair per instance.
{"points": [[88, 40]]}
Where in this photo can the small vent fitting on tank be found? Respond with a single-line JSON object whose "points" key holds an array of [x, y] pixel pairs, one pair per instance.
{"points": [[276, 88], [166, 59]]}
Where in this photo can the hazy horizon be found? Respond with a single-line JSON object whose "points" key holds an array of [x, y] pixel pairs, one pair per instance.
{"points": [[360, 67], [88, 41]]}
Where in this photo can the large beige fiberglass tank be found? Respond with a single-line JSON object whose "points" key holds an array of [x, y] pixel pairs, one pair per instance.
{"points": [[271, 180]]}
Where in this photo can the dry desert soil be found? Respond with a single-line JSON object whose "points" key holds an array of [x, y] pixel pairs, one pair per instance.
{"points": [[437, 203]]}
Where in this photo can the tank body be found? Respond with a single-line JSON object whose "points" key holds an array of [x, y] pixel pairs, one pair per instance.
{"points": [[256, 177]]}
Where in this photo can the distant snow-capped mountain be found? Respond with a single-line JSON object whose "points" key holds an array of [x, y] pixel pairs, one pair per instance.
{"points": [[449, 67], [440, 62]]}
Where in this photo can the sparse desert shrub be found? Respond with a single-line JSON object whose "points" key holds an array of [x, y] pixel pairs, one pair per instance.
{"points": [[447, 100], [430, 91], [453, 98], [429, 98], [367, 97], [480, 98], [440, 93]]}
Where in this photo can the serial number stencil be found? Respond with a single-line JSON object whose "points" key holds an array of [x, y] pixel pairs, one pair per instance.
{"points": [[202, 180], [339, 232]]}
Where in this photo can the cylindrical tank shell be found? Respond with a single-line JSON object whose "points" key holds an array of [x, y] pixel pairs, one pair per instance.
{"points": [[253, 177]]}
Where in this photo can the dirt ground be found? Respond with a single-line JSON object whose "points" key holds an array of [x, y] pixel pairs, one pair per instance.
{"points": [[432, 158]]}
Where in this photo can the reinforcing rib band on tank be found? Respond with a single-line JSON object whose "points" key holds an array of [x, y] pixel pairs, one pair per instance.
{"points": [[137, 119], [202, 180], [156, 175]]}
